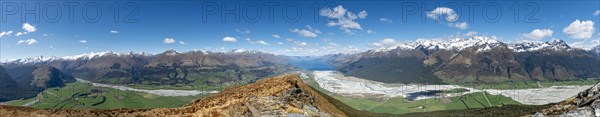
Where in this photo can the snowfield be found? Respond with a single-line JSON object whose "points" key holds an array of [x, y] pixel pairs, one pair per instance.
{"points": [[161, 92], [355, 87]]}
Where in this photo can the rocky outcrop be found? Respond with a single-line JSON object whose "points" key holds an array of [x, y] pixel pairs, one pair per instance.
{"points": [[585, 104], [279, 96]]}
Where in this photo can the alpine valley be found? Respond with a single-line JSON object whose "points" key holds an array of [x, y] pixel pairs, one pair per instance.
{"points": [[194, 70], [410, 76]]}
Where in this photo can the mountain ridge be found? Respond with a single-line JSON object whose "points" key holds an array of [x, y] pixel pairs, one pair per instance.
{"points": [[167, 68], [458, 44], [478, 59]]}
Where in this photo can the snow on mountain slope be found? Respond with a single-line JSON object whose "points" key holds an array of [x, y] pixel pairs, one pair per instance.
{"points": [[536, 45], [92, 55], [482, 42], [85, 56], [32, 60], [243, 51], [455, 44], [596, 49]]}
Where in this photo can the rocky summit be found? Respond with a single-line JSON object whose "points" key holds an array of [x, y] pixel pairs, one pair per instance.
{"points": [[585, 104], [278, 96]]}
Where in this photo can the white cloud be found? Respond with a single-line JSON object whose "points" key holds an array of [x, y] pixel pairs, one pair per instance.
{"points": [[596, 13], [279, 43], [244, 31], [7, 33], [385, 20], [308, 32], [20, 33], [371, 32], [586, 44], [261, 42], [28, 27], [301, 43], [182, 43], [229, 39], [82, 41], [327, 40], [385, 42], [114, 31], [436, 13], [538, 34], [339, 16], [462, 25], [333, 44], [580, 29], [250, 41], [350, 49], [28, 41], [362, 14], [276, 36], [168, 40], [471, 33], [451, 17]]}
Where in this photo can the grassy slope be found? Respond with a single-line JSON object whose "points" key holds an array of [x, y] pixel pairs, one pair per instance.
{"points": [[69, 97]]}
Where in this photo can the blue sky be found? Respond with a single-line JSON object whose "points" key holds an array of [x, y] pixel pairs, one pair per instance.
{"points": [[155, 26]]}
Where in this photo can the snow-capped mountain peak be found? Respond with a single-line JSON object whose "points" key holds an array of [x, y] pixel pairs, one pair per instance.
{"points": [[90, 55], [85, 56], [555, 44], [596, 49], [454, 44], [202, 51], [32, 60], [482, 43], [238, 50], [171, 52], [243, 51]]}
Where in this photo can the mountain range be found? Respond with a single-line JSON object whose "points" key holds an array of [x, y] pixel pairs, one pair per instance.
{"points": [[477, 59], [25, 78], [167, 68]]}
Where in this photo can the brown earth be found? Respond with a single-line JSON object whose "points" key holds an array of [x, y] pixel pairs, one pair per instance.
{"points": [[279, 96]]}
